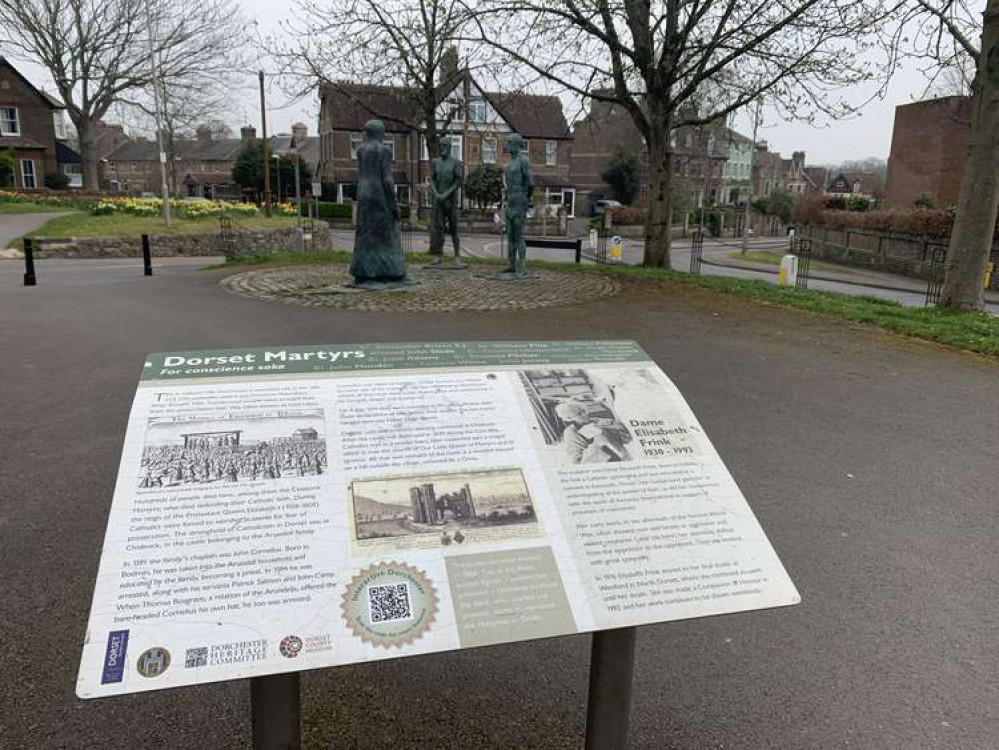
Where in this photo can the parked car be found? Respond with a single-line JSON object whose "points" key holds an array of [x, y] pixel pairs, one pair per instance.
{"points": [[600, 205]]}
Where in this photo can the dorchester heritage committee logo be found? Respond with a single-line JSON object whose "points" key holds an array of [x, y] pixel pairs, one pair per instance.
{"points": [[390, 604]]}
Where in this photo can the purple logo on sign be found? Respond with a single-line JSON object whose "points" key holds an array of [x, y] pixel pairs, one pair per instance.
{"points": [[114, 657]]}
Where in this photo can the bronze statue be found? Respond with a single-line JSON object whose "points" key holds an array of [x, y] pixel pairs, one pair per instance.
{"points": [[445, 181], [378, 261], [518, 186]]}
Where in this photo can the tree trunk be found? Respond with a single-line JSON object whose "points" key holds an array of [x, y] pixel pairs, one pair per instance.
{"points": [[974, 225], [88, 154], [659, 218]]}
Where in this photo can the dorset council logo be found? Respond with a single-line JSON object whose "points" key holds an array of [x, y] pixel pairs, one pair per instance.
{"points": [[153, 662], [290, 646]]}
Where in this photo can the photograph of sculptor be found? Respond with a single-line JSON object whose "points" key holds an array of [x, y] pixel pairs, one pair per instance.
{"points": [[575, 411]]}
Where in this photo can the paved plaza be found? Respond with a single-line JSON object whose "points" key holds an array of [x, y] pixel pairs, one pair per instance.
{"points": [[869, 460]]}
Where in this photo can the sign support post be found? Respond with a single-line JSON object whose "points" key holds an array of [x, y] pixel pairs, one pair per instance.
{"points": [[608, 706], [276, 710]]}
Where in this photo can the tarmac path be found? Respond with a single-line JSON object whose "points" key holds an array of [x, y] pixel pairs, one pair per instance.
{"points": [[870, 461]]}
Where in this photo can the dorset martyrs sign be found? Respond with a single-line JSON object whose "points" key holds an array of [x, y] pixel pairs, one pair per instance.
{"points": [[284, 509]]}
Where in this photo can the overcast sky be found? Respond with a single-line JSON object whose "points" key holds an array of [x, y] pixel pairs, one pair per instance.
{"points": [[868, 134]]}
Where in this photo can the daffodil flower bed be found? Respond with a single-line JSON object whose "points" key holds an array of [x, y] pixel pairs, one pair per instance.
{"points": [[180, 208]]}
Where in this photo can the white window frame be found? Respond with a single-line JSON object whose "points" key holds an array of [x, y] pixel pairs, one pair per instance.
{"points": [[551, 153], [493, 145], [356, 139], [390, 143], [59, 123], [25, 175], [456, 144], [477, 111], [5, 121], [340, 197]]}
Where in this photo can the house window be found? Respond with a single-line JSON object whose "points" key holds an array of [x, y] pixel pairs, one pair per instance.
{"points": [[28, 177], [856, 186], [355, 143], [551, 149], [10, 124], [477, 111], [402, 194], [347, 192], [390, 145], [488, 150], [59, 121], [455, 147]]}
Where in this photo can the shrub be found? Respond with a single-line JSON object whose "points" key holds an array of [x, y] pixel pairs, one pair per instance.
{"points": [[623, 176], [336, 211], [924, 201], [484, 185], [628, 215], [56, 181]]}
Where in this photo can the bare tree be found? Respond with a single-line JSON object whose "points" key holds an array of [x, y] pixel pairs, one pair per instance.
{"points": [[944, 33], [404, 51], [98, 51], [670, 63]]}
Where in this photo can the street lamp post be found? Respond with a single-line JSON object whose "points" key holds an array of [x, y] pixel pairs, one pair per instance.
{"points": [[277, 168], [749, 197]]}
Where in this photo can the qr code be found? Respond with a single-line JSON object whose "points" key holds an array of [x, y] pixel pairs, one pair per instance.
{"points": [[196, 657], [389, 603]]}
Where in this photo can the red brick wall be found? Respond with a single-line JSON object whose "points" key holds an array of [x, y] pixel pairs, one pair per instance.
{"points": [[928, 146], [35, 116]]}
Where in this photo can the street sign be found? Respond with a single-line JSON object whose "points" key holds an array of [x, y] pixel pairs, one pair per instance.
{"points": [[288, 508], [317, 188]]}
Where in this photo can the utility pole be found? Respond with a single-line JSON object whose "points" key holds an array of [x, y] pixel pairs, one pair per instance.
{"points": [[277, 171], [264, 149], [156, 107], [752, 154]]}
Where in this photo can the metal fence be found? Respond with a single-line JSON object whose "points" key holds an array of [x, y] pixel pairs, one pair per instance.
{"points": [[696, 250], [804, 253], [227, 239], [936, 256]]}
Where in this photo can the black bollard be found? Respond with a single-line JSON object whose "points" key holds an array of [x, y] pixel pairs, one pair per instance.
{"points": [[147, 261], [29, 263]]}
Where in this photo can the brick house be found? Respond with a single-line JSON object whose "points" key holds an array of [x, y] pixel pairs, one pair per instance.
{"points": [[33, 130], [700, 154], [857, 184], [478, 123], [928, 144], [201, 166], [772, 173]]}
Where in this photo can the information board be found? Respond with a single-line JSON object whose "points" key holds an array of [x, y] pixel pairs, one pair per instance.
{"points": [[289, 508]]}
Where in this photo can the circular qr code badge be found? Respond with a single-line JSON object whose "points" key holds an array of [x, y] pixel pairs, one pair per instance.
{"points": [[390, 604]]}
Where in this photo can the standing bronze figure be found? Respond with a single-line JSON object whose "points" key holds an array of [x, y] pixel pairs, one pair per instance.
{"points": [[378, 261], [518, 185], [445, 180]]}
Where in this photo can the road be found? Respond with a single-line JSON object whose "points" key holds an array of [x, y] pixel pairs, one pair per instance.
{"points": [[869, 460]]}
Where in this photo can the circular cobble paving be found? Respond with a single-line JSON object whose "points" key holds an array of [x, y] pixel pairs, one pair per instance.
{"points": [[437, 291]]}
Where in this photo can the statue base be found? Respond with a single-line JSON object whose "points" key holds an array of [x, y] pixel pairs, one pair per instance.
{"points": [[380, 285], [438, 264], [509, 275]]}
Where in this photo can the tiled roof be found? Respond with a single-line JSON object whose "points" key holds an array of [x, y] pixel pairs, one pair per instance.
{"points": [[531, 115], [20, 142], [220, 149]]}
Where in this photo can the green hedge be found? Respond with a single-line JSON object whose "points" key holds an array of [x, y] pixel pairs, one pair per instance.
{"points": [[328, 210]]}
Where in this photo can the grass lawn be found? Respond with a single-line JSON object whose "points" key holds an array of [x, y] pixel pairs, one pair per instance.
{"points": [[976, 332], [33, 208], [86, 225], [767, 258]]}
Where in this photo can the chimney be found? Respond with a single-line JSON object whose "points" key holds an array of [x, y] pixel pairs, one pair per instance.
{"points": [[203, 133], [299, 132], [449, 65], [247, 133]]}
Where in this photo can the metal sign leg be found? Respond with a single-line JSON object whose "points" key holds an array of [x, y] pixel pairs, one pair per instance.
{"points": [[274, 703], [612, 661]]}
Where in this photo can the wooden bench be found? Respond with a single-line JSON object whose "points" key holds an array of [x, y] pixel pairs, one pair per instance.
{"points": [[566, 244]]}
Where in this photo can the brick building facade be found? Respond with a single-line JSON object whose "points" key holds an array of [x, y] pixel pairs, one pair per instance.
{"points": [[33, 131], [700, 154], [477, 122], [928, 144]]}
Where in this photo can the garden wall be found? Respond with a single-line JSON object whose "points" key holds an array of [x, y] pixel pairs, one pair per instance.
{"points": [[248, 242], [907, 254]]}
